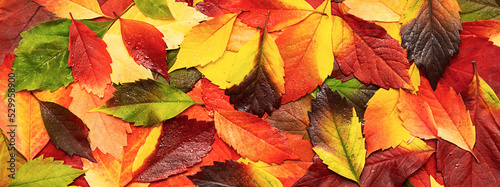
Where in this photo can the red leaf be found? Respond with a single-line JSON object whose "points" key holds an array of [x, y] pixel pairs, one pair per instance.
{"points": [[422, 176], [89, 59], [179, 146], [112, 7], [144, 42], [214, 97], [19, 16], [481, 28], [484, 53], [50, 150], [197, 112]]}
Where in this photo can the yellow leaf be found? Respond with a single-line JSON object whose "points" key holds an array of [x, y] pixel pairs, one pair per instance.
{"points": [[106, 172], [434, 183], [124, 68], [148, 148], [218, 71], [80, 9], [376, 10], [392, 29], [205, 43]]}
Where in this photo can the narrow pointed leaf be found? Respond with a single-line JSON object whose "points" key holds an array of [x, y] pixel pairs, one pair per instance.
{"points": [[146, 102], [367, 51], [145, 44], [473, 10], [88, 58], [45, 172], [205, 43], [67, 131], [430, 35], [336, 134], [155, 9], [232, 173], [306, 50], [250, 136]]}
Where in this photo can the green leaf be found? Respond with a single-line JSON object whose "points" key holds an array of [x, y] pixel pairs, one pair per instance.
{"points": [[45, 172], [42, 55], [146, 102], [335, 133], [473, 10], [356, 93], [156, 9]]}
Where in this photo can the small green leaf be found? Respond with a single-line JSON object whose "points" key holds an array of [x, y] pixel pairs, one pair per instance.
{"points": [[100, 28], [146, 102], [45, 172], [156, 9]]}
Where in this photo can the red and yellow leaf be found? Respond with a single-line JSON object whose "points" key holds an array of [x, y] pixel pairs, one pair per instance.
{"points": [[106, 172], [81, 9]]}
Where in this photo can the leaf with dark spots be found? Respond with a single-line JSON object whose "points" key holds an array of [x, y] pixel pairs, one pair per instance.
{"points": [[144, 42], [18, 16], [182, 143], [430, 34], [146, 102], [66, 130], [292, 117], [254, 95], [232, 173]]}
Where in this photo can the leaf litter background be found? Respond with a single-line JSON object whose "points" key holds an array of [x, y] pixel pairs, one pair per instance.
{"points": [[251, 93]]}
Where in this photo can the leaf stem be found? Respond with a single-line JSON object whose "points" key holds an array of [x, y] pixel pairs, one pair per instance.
{"points": [[121, 14]]}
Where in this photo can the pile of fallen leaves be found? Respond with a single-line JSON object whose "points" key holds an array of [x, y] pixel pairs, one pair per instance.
{"points": [[249, 93]]}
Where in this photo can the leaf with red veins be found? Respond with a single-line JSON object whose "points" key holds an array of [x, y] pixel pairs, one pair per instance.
{"points": [[366, 50], [145, 44], [422, 177], [18, 16], [89, 59]]}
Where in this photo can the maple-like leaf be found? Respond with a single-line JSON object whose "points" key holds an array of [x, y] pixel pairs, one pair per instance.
{"points": [[482, 28], [292, 117], [178, 146], [47, 173], [66, 130], [460, 168], [367, 51], [473, 10], [18, 16], [74, 161], [205, 43], [12, 163], [383, 168], [336, 134], [106, 172], [430, 34], [106, 132], [484, 53], [250, 136], [146, 102], [376, 10], [354, 91], [81, 9], [260, 91], [307, 55], [145, 44], [88, 58], [155, 9], [383, 128], [232, 173]]}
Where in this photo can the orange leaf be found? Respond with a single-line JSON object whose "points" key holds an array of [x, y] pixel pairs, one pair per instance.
{"points": [[106, 132], [106, 172], [81, 9], [134, 142], [252, 136], [88, 58], [197, 111], [5, 70], [417, 116]]}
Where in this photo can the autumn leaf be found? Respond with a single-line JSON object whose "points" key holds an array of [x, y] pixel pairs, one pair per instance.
{"points": [[473, 10], [232, 173], [19, 16], [80, 9], [5, 70], [335, 130], [116, 6], [250, 136], [135, 141], [197, 111], [367, 51], [382, 168], [145, 44], [205, 43], [482, 28], [88, 58], [74, 161], [107, 133], [260, 91], [48, 173], [214, 97], [67, 131], [11, 162], [105, 172], [174, 149], [460, 168], [439, 20], [427, 174], [460, 72], [292, 117], [157, 102], [154, 9], [376, 10], [417, 116]]}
